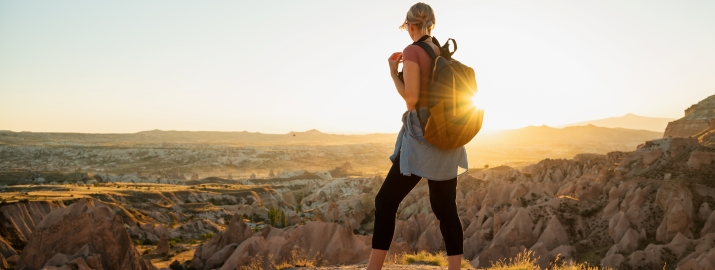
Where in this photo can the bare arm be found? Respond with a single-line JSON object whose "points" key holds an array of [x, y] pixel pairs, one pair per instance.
{"points": [[411, 87], [409, 90]]}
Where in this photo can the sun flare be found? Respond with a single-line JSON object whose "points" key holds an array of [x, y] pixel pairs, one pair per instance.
{"points": [[476, 102]]}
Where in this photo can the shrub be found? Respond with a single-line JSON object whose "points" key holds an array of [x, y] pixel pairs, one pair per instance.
{"points": [[207, 235]]}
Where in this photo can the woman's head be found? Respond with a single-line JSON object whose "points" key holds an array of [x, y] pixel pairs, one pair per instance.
{"points": [[419, 21]]}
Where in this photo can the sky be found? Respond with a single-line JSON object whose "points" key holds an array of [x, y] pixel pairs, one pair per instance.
{"points": [[280, 66]]}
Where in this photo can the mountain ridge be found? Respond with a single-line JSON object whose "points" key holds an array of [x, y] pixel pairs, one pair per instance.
{"points": [[628, 121]]}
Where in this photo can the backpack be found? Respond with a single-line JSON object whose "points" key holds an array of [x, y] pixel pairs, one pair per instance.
{"points": [[453, 120]]}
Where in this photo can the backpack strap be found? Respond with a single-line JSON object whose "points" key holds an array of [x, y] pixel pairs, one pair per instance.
{"points": [[427, 49], [444, 50], [433, 56]]}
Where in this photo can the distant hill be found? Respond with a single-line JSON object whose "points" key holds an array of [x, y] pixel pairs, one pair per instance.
{"points": [[576, 134], [629, 121], [311, 137], [524, 136]]}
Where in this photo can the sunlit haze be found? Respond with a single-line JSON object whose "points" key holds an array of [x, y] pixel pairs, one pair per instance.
{"points": [[280, 66]]}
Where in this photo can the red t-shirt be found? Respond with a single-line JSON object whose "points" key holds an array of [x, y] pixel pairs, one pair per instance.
{"points": [[418, 55]]}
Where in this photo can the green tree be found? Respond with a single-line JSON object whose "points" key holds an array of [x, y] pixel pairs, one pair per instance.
{"points": [[273, 216], [283, 219]]}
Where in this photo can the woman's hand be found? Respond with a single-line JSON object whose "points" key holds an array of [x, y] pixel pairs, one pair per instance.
{"points": [[394, 60]]}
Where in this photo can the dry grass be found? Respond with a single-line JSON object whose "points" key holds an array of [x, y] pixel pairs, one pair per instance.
{"points": [[522, 261], [254, 264], [297, 259], [424, 258], [526, 260]]}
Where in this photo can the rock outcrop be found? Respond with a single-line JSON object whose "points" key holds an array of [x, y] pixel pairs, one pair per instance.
{"points": [[87, 233], [236, 232], [331, 242], [697, 118], [162, 247], [21, 218]]}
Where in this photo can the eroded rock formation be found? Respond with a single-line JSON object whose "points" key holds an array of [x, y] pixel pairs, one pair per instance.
{"points": [[330, 242], [87, 234]]}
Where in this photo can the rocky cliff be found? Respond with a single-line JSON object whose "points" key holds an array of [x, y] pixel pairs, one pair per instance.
{"points": [[697, 118], [85, 235], [18, 220]]}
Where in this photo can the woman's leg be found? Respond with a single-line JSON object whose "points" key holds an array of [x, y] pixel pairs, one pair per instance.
{"points": [[443, 199], [388, 199]]}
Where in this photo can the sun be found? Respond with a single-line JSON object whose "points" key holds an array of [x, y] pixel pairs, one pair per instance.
{"points": [[476, 102]]}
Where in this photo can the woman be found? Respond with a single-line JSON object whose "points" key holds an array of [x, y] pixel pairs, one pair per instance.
{"points": [[415, 158]]}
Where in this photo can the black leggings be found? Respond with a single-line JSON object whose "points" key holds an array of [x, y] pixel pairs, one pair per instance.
{"points": [[442, 197]]}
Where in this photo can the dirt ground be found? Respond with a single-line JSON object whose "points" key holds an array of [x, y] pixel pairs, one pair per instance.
{"points": [[363, 266]]}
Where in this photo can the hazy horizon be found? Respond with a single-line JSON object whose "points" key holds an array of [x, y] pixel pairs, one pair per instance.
{"points": [[98, 67], [571, 125]]}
